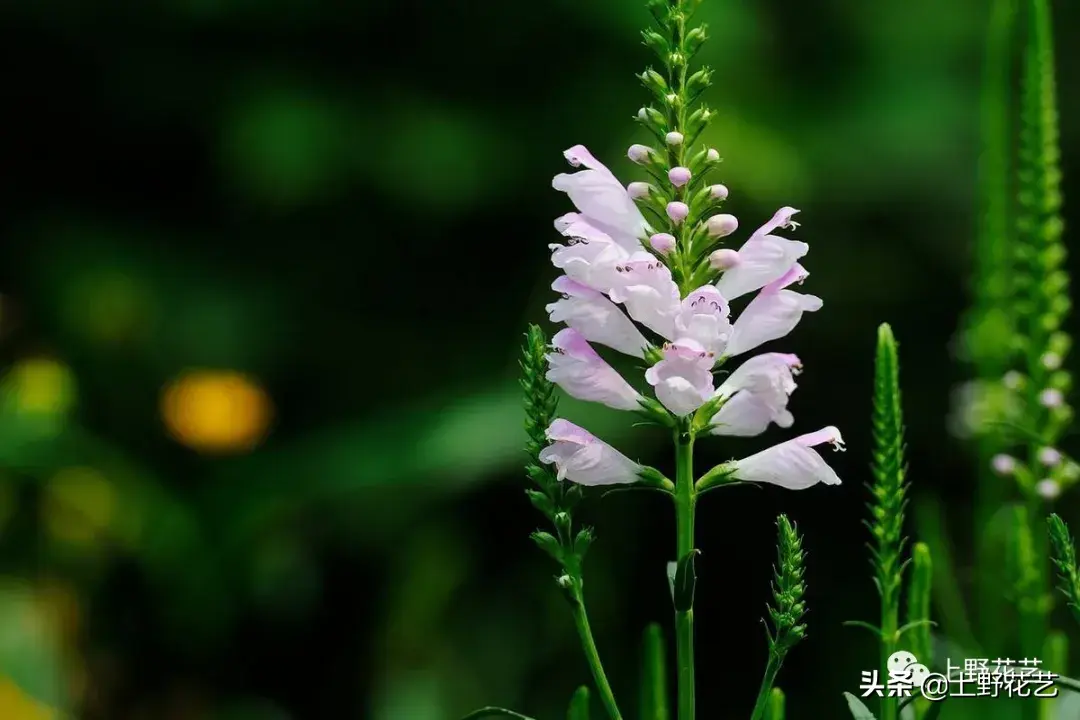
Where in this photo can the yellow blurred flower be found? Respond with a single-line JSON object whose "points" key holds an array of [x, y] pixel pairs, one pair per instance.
{"points": [[216, 411], [17, 705]]}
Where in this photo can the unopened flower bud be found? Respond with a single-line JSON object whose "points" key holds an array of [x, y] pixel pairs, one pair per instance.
{"points": [[677, 211], [662, 243], [674, 138], [1048, 489], [712, 155], [722, 225], [1051, 361], [1003, 464], [643, 114], [1013, 380], [1051, 398], [723, 259], [718, 192], [679, 176], [565, 582], [638, 190], [672, 99], [639, 153], [1049, 456]]}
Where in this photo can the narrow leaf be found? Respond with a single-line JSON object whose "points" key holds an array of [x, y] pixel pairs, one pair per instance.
{"points": [[685, 582], [858, 710], [654, 688], [579, 704], [492, 711]]}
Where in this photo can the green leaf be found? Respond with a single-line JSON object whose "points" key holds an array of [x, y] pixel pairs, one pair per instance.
{"points": [[579, 705], [492, 711], [858, 710], [1064, 557], [654, 687], [685, 582], [864, 625], [920, 585]]}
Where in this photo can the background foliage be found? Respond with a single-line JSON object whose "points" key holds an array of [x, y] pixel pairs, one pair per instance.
{"points": [[265, 267]]}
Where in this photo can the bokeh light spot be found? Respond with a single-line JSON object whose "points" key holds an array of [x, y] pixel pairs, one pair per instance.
{"points": [[39, 386], [17, 705], [216, 411], [79, 504]]}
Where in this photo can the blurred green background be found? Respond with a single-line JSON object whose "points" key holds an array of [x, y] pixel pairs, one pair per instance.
{"points": [[264, 271]]}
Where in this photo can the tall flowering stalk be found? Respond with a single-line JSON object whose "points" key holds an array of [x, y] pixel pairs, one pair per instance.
{"points": [[645, 273], [1015, 339]]}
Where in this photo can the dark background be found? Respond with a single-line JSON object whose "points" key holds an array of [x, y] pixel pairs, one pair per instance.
{"points": [[349, 204]]}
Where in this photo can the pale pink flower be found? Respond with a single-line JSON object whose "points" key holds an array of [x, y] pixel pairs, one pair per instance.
{"points": [[718, 192], [647, 291], [764, 258], [594, 316], [582, 458], [772, 314], [590, 255], [703, 317], [683, 379], [582, 373], [757, 394], [794, 464], [601, 198]]}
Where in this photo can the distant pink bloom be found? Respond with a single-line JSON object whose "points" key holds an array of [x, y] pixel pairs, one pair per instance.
{"points": [[582, 458], [1049, 456], [582, 373], [601, 198], [683, 379], [764, 258], [772, 314], [1051, 398], [594, 316], [794, 464], [1003, 464]]}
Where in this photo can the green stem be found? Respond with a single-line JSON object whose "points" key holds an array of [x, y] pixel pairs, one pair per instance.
{"points": [[592, 656], [889, 620], [684, 525], [1034, 605], [771, 670]]}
